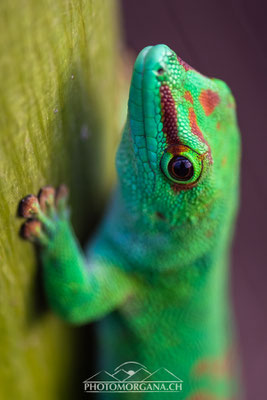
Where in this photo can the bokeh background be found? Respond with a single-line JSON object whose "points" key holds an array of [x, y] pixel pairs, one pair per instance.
{"points": [[227, 39]]}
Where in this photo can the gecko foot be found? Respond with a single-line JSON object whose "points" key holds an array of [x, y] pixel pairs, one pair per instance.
{"points": [[43, 212]]}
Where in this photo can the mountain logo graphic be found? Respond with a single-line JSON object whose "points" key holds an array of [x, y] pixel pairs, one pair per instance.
{"points": [[132, 376]]}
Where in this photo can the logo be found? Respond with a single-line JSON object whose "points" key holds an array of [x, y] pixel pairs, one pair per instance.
{"points": [[131, 377]]}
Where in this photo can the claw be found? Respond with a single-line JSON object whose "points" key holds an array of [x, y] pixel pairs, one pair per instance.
{"points": [[46, 197], [29, 207]]}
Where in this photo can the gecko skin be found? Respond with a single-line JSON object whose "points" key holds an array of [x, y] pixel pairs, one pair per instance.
{"points": [[156, 274]]}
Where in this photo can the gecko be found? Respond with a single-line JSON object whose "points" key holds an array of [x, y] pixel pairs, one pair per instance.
{"points": [[155, 276]]}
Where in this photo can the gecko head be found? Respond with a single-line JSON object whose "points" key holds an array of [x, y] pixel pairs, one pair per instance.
{"points": [[179, 155]]}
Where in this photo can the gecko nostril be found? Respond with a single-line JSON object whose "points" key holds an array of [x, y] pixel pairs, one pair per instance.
{"points": [[160, 71]]}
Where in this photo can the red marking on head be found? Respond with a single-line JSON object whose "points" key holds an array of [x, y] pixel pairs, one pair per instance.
{"points": [[176, 188], [209, 100], [186, 66], [169, 115], [218, 125], [196, 130], [188, 96]]}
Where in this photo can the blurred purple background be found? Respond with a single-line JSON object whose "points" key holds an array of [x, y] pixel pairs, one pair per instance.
{"points": [[227, 39]]}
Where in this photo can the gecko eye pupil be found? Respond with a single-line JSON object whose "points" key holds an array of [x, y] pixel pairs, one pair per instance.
{"points": [[181, 168]]}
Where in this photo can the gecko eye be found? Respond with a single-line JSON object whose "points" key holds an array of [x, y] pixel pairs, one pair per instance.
{"points": [[160, 71], [181, 168], [181, 165]]}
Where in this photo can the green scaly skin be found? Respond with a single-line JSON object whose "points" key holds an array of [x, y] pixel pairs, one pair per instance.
{"points": [[157, 269]]}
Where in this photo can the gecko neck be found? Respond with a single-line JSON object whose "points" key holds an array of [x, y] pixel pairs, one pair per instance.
{"points": [[195, 273]]}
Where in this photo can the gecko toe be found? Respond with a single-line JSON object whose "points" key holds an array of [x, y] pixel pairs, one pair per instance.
{"points": [[62, 194], [44, 213], [46, 198], [32, 230], [29, 207]]}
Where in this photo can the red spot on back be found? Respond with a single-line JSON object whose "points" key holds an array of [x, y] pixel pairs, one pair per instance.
{"points": [[196, 130], [186, 66], [209, 100], [224, 161], [169, 115], [188, 96], [223, 367]]}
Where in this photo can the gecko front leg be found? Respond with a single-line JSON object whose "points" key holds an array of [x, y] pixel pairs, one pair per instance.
{"points": [[77, 289]]}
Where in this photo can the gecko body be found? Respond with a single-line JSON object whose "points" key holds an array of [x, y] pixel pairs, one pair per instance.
{"points": [[156, 274]]}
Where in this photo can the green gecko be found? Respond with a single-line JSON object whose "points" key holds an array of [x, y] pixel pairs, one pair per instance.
{"points": [[156, 273]]}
